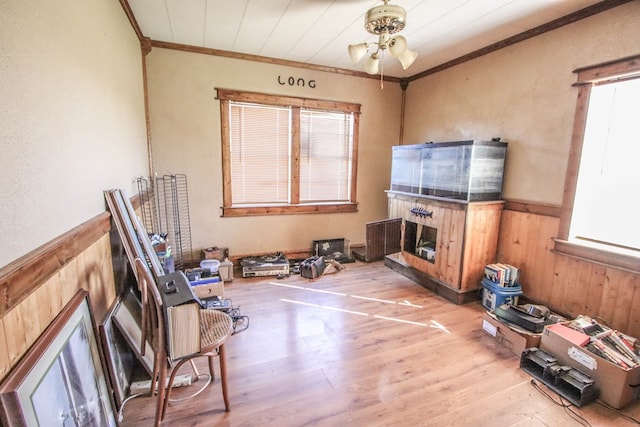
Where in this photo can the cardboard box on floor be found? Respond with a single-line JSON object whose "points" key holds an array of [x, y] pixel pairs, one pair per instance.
{"points": [[209, 290], [618, 386], [514, 339], [215, 252]]}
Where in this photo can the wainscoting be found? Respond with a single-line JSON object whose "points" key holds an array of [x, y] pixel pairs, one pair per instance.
{"points": [[568, 285], [38, 285]]}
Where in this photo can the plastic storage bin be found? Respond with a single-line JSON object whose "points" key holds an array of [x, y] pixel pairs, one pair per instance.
{"points": [[494, 295], [210, 264]]}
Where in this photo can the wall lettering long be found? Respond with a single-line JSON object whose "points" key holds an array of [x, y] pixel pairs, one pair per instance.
{"points": [[296, 81]]}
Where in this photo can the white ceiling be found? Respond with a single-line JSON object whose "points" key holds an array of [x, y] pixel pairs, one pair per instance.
{"points": [[319, 31]]}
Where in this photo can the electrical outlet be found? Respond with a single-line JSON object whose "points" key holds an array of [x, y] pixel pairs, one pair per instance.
{"points": [[141, 387]]}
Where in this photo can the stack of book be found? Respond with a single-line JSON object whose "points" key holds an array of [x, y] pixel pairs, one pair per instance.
{"points": [[617, 348], [504, 275], [607, 343]]}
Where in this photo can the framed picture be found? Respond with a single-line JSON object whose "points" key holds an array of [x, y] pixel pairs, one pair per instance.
{"points": [[123, 366], [128, 317], [132, 233], [60, 381]]}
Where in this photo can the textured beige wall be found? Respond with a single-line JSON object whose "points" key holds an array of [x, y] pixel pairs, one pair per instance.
{"points": [[523, 94], [72, 114], [185, 132]]}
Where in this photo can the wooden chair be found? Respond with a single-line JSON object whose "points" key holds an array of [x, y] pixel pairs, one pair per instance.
{"points": [[215, 328]]}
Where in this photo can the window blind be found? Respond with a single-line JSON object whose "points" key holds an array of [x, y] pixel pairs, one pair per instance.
{"points": [[262, 147], [325, 156], [259, 146]]}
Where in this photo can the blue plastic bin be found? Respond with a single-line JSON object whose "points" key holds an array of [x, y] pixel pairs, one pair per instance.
{"points": [[494, 295]]}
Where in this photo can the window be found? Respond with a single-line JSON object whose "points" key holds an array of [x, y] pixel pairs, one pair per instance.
{"points": [[287, 155], [600, 206]]}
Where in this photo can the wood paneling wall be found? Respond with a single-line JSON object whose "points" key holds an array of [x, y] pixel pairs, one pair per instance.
{"points": [[38, 285], [568, 285]]}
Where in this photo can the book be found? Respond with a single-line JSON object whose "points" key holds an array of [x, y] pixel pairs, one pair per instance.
{"points": [[504, 275], [506, 279], [493, 273], [620, 344], [514, 274], [612, 355], [576, 337], [511, 274]]}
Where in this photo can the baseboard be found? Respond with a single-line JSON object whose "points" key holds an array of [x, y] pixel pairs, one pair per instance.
{"points": [[394, 262]]}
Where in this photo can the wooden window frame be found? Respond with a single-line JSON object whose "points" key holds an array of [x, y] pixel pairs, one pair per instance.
{"points": [[587, 77], [225, 96]]}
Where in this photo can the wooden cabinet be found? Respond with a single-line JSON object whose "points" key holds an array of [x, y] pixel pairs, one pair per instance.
{"points": [[445, 243]]}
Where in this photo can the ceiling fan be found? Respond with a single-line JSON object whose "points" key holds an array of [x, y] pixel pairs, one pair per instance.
{"points": [[384, 21]]}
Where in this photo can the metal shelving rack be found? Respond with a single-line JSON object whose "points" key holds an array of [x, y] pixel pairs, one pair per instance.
{"points": [[164, 205]]}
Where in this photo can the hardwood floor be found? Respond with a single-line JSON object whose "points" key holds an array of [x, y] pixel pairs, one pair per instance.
{"points": [[365, 347]]}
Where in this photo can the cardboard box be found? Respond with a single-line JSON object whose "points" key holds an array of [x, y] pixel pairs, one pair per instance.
{"points": [[516, 340], [215, 252], [618, 386], [161, 247], [209, 290]]}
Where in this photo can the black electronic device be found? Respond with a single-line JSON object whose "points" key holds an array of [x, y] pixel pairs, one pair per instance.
{"points": [[572, 384], [537, 362], [215, 303], [240, 322], [175, 290], [265, 265], [277, 258], [521, 317], [194, 274], [332, 249], [312, 267], [539, 311], [578, 387]]}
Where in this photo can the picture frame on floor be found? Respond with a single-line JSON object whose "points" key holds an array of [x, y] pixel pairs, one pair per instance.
{"points": [[127, 318], [60, 380], [121, 362]]}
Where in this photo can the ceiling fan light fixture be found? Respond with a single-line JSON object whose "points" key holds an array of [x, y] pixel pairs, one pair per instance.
{"points": [[398, 49], [383, 21], [373, 64], [397, 46], [386, 18], [406, 58], [357, 51]]}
